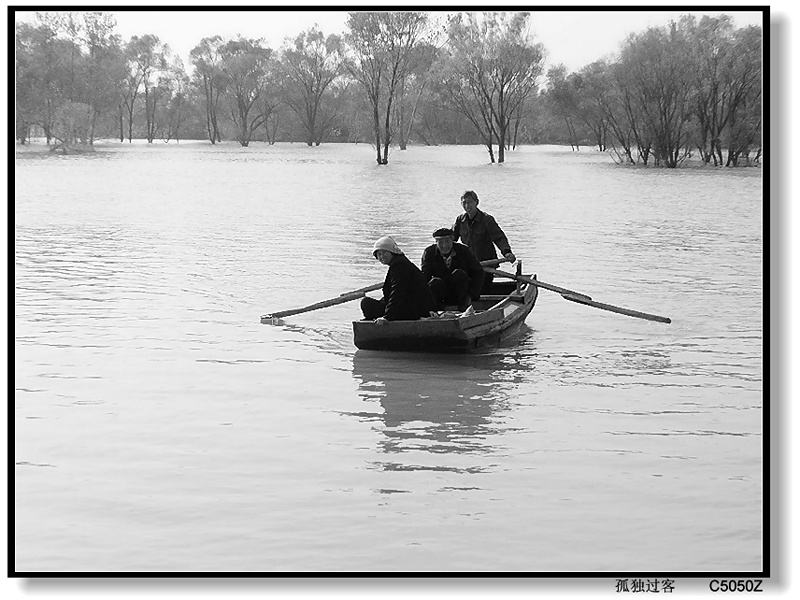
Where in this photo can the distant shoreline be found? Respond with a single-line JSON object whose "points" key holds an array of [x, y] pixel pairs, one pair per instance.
{"points": [[39, 147]]}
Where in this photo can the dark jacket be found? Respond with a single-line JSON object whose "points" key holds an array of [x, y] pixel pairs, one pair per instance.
{"points": [[406, 291], [433, 265], [481, 234]]}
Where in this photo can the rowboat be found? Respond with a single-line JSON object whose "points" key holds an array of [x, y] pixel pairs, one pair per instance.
{"points": [[497, 317]]}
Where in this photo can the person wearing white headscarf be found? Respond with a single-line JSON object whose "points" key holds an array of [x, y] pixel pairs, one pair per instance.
{"points": [[406, 295]]}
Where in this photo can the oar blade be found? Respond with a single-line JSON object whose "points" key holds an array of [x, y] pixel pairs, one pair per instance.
{"points": [[270, 318], [617, 309], [577, 297]]}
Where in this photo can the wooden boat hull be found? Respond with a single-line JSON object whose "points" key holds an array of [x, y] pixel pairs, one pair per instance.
{"points": [[497, 318]]}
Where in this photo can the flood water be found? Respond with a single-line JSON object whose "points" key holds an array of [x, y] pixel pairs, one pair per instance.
{"points": [[160, 427]]}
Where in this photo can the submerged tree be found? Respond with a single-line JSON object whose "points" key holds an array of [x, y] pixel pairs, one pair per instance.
{"points": [[710, 48], [271, 105], [172, 112], [562, 101], [42, 72], [245, 63], [103, 69], [209, 79], [156, 85], [146, 57], [411, 89], [660, 90], [71, 126], [591, 84], [382, 46], [491, 67], [622, 138], [745, 85], [672, 90], [310, 64], [28, 84]]}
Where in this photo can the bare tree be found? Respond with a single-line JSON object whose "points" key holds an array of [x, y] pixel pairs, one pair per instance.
{"points": [[659, 89], [382, 46], [38, 79], [146, 56], [411, 89], [245, 63], [592, 87], [104, 66], [746, 90], [210, 79], [310, 63], [493, 66], [563, 101], [726, 65], [44, 71], [171, 114], [271, 107]]}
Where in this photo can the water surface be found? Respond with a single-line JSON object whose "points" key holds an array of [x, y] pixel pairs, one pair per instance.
{"points": [[159, 426]]}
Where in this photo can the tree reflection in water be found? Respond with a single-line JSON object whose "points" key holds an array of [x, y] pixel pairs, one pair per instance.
{"points": [[435, 404]]}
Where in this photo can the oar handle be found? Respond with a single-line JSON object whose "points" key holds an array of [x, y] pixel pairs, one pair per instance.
{"points": [[493, 262], [363, 290], [541, 284]]}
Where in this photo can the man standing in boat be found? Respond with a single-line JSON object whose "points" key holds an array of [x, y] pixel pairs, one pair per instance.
{"points": [[454, 274], [481, 233], [406, 295]]}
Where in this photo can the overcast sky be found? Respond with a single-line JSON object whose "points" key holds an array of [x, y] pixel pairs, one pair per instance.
{"points": [[571, 36]]}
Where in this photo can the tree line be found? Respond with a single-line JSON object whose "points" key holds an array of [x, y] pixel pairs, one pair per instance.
{"points": [[395, 78]]}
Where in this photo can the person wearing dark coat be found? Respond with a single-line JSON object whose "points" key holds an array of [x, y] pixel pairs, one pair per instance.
{"points": [[481, 233], [406, 295], [452, 270]]}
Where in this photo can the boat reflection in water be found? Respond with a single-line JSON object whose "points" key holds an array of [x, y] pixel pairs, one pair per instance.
{"points": [[437, 412]]}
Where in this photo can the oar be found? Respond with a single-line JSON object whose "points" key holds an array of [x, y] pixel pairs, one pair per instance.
{"points": [[580, 298], [346, 297], [341, 299]]}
